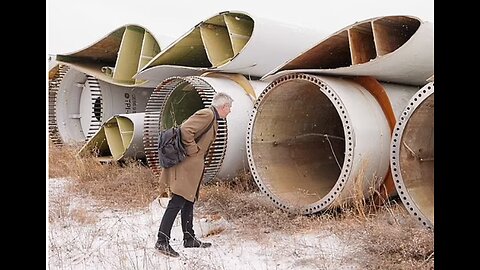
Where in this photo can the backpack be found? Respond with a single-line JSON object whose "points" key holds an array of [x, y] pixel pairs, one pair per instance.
{"points": [[171, 150], [170, 147]]}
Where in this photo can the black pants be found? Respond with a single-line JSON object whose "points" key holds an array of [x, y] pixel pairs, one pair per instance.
{"points": [[176, 204]]}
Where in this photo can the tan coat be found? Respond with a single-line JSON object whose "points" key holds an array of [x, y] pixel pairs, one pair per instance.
{"points": [[184, 178]]}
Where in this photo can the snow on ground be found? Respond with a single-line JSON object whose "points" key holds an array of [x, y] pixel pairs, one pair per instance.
{"points": [[83, 235]]}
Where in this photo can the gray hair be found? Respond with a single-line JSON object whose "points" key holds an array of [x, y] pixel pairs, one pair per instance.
{"points": [[221, 99]]}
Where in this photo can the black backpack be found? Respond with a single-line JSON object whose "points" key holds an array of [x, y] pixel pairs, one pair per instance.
{"points": [[170, 147], [171, 150]]}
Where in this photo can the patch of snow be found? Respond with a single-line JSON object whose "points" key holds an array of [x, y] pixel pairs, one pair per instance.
{"points": [[110, 239]]}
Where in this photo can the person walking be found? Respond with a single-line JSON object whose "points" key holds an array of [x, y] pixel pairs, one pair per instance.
{"points": [[183, 180]]}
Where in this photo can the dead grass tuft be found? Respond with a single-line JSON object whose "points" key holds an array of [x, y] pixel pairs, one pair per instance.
{"points": [[123, 185], [363, 202], [241, 203], [406, 245], [390, 239], [60, 160], [242, 182], [83, 216], [58, 209]]}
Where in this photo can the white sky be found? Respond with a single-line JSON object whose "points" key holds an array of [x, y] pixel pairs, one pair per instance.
{"points": [[73, 25]]}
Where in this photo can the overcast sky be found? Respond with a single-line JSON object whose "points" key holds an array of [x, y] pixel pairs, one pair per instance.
{"points": [[75, 24]]}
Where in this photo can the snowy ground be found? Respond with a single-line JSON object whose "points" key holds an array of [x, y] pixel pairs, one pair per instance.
{"points": [[84, 235]]}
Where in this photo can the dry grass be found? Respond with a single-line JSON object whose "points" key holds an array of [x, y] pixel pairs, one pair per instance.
{"points": [[58, 208], [121, 185], [392, 239], [385, 237], [83, 216], [249, 208]]}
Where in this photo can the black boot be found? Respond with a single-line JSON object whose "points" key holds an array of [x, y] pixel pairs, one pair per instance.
{"points": [[165, 248], [193, 242]]}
